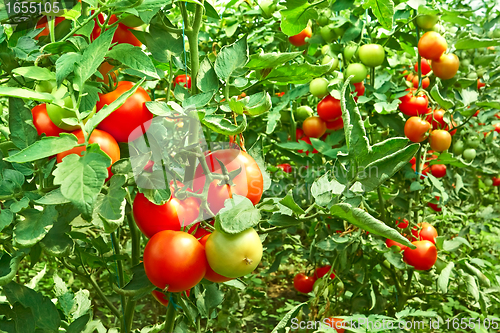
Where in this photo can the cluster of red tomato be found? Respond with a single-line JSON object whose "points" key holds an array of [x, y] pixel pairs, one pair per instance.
{"points": [[423, 237], [418, 129], [432, 46], [176, 260], [305, 284]]}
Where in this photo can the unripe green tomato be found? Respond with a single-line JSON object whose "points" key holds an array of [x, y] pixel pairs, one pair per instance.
{"points": [[472, 75], [372, 55], [458, 148], [57, 113], [427, 22], [267, 7], [469, 154], [340, 31], [466, 63], [349, 52], [496, 33], [473, 142], [328, 33], [319, 87], [303, 112], [323, 20], [480, 72], [488, 182], [358, 70], [335, 63], [131, 21], [325, 49], [45, 86]]}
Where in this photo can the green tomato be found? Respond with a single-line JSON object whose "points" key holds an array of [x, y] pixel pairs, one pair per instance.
{"points": [[267, 7], [319, 87], [466, 63], [427, 22], [45, 86], [325, 49], [496, 33], [327, 60], [57, 113], [480, 72], [234, 255], [472, 76], [340, 31], [324, 17], [469, 154], [303, 112], [328, 33], [358, 70], [349, 52], [488, 182], [131, 21], [458, 148], [473, 142], [372, 55]]}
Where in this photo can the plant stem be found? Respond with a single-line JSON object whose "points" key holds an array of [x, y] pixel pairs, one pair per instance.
{"points": [[119, 269], [192, 36], [75, 29], [170, 320], [135, 237]]}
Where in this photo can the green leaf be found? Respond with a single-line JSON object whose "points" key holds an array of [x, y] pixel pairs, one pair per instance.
{"points": [[213, 296], [296, 73], [472, 286], [444, 277], [78, 325], [9, 266], [480, 276], [210, 11], [35, 226], [93, 56], [253, 105], [270, 60], [281, 220], [231, 58], [219, 124], [296, 16], [133, 57], [445, 103], [6, 218], [139, 285], [383, 11], [471, 42], [238, 215], [59, 47], [35, 73], [288, 201], [54, 197], [81, 178], [22, 131], [199, 100], [365, 221], [285, 322], [454, 244], [65, 65], [395, 258], [57, 242], [489, 104], [161, 43], [46, 147], [207, 78], [44, 311], [109, 209]]}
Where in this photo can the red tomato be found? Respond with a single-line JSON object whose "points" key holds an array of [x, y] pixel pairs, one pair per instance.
{"points": [[413, 105], [248, 182], [497, 128], [425, 67], [416, 129], [299, 39], [301, 137], [322, 271], [360, 88], [434, 206], [335, 323], [303, 283], [436, 118], [184, 80], [329, 108], [427, 232], [480, 84], [440, 140], [286, 167], [446, 66], [42, 23], [105, 69], [390, 243], [210, 275], [172, 215], [199, 231], [496, 181], [42, 122], [432, 45], [174, 260], [335, 125], [413, 160], [425, 170], [423, 257], [132, 114], [160, 297], [438, 170], [314, 127], [425, 82], [402, 224]]}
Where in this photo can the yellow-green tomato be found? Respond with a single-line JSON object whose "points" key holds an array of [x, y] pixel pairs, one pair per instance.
{"points": [[325, 49], [427, 22], [372, 55], [45, 86], [319, 87], [349, 52], [234, 255], [328, 33], [358, 70], [303, 112], [327, 60]]}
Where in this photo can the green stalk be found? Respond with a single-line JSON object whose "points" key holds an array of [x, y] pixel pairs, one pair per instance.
{"points": [[417, 193], [170, 320], [419, 64], [52, 29], [119, 265], [192, 35]]}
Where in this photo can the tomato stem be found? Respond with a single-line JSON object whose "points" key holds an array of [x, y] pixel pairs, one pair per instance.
{"points": [[170, 319]]}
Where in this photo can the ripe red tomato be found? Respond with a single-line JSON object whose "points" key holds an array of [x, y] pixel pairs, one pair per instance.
{"points": [[438, 170], [440, 140], [427, 232], [299, 39], [390, 243], [303, 283], [335, 323], [436, 118], [42, 121], [131, 115], [335, 125], [402, 224], [360, 88], [105, 69], [172, 215], [446, 66], [432, 45], [248, 182], [322, 271], [413, 160], [416, 129], [425, 67], [42, 23], [184, 80], [423, 257], [497, 127], [174, 260], [425, 82], [210, 275], [314, 127], [480, 84], [329, 108], [162, 298], [412, 105], [286, 167], [122, 34], [496, 181]]}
